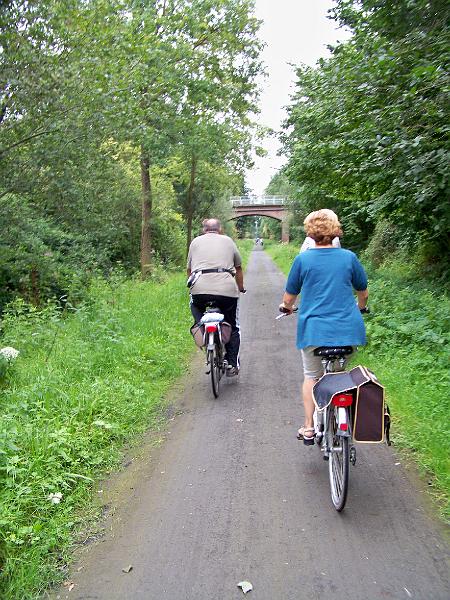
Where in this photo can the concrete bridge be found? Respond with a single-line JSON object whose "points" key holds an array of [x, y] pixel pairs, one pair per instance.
{"points": [[263, 206]]}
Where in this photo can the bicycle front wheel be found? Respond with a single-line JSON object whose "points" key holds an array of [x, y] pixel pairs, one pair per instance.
{"points": [[338, 463], [213, 360]]}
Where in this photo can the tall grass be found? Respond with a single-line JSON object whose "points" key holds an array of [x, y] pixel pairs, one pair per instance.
{"points": [[245, 247], [83, 384], [282, 254], [408, 332]]}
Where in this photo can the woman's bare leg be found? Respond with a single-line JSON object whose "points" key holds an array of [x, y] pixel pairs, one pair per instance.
{"points": [[308, 403]]}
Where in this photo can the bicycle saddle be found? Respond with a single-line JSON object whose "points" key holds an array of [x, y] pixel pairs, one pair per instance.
{"points": [[333, 351], [212, 309]]}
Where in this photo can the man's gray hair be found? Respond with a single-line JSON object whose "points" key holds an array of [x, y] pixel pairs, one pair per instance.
{"points": [[212, 226]]}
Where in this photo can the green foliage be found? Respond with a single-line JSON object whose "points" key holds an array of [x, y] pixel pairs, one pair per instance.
{"points": [[82, 385], [282, 254], [279, 185], [38, 259], [385, 242], [245, 247], [409, 335], [369, 125]]}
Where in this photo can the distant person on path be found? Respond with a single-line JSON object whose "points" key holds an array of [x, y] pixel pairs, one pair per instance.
{"points": [[309, 242], [328, 315], [214, 269]]}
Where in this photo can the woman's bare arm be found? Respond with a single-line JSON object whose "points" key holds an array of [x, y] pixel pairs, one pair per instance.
{"points": [[288, 301], [362, 298]]}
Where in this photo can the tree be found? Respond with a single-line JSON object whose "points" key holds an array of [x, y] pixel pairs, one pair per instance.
{"points": [[196, 67], [368, 124]]}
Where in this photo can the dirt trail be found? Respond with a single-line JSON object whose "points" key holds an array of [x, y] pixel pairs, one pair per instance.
{"points": [[231, 495]]}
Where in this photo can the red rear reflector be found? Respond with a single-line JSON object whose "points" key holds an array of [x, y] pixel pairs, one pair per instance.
{"points": [[211, 328], [343, 426], [342, 400]]}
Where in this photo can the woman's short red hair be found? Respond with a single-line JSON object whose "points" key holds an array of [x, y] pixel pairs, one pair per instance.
{"points": [[322, 226]]}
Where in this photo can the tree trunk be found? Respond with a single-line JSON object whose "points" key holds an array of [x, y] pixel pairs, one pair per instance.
{"points": [[190, 201], [146, 195]]}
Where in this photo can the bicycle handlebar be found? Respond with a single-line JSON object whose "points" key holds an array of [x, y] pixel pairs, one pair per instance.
{"points": [[285, 312]]}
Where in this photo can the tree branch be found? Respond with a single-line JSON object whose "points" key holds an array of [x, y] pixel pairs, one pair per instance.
{"points": [[24, 140]]}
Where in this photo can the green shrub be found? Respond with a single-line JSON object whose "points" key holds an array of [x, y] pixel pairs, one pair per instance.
{"points": [[383, 244], [86, 380]]}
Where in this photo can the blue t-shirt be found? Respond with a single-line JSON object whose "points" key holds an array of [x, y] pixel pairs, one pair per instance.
{"points": [[328, 314]]}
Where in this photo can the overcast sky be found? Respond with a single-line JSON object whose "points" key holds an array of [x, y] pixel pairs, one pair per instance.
{"points": [[295, 31]]}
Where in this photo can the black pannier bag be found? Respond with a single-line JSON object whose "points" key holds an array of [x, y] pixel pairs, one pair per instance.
{"points": [[369, 414], [198, 333]]}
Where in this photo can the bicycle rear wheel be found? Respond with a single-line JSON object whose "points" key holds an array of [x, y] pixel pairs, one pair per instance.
{"points": [[338, 464], [213, 361]]}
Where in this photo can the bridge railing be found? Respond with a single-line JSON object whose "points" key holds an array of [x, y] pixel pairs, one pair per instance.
{"points": [[257, 200]]}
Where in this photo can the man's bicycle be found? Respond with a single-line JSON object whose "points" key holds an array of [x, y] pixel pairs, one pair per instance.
{"points": [[216, 333]]}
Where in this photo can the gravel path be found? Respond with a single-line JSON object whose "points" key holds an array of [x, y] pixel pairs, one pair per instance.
{"points": [[231, 495]]}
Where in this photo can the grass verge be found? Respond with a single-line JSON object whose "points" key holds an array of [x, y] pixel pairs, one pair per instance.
{"points": [[408, 332], [245, 247], [83, 384]]}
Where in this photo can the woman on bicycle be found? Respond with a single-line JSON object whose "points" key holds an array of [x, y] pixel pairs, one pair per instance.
{"points": [[328, 315]]}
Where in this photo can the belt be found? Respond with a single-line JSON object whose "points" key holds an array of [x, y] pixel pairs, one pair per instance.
{"points": [[218, 270]]}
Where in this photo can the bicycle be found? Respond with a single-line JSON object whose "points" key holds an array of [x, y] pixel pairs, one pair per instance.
{"points": [[333, 425], [333, 428], [214, 342]]}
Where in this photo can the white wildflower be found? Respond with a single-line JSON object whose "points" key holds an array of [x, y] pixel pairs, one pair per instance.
{"points": [[9, 353], [100, 423], [55, 498]]}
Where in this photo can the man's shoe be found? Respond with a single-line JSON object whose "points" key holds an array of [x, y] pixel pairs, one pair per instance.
{"points": [[232, 371]]}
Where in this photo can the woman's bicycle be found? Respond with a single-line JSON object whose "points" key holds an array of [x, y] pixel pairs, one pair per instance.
{"points": [[333, 428], [333, 425]]}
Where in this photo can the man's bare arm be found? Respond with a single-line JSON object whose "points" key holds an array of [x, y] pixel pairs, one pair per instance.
{"points": [[240, 278]]}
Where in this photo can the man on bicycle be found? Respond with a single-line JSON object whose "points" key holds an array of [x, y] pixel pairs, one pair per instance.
{"points": [[215, 277]]}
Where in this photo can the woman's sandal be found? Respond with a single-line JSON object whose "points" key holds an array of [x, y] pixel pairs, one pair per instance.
{"points": [[308, 440]]}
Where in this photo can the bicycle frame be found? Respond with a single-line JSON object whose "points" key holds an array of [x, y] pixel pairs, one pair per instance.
{"points": [[333, 434], [215, 348], [339, 407]]}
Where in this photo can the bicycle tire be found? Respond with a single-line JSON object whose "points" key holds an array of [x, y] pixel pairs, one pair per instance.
{"points": [[338, 464], [214, 370]]}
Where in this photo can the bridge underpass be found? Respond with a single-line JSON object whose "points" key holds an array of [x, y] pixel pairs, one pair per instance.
{"points": [[274, 207]]}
